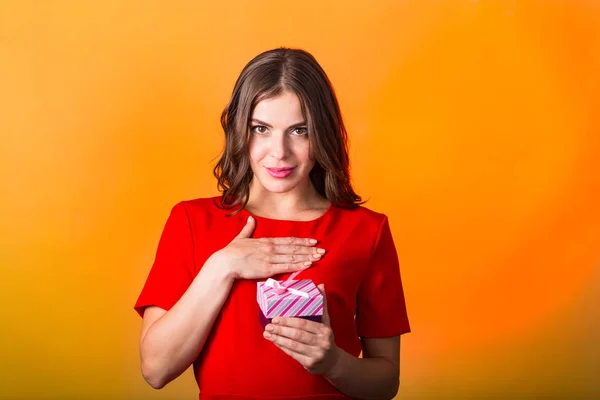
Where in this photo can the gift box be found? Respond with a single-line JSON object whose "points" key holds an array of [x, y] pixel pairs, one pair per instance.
{"points": [[291, 298]]}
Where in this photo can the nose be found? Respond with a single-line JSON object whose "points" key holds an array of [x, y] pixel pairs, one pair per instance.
{"points": [[278, 146]]}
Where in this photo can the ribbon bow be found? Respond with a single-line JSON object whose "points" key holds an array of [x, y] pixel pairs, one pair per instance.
{"points": [[281, 288]]}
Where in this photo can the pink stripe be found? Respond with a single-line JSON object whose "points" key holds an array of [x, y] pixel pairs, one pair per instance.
{"points": [[320, 308], [306, 305], [263, 298], [286, 294], [289, 294], [292, 304], [298, 285], [278, 302], [301, 287]]}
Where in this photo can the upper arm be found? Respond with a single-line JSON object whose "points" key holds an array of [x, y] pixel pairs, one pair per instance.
{"points": [[173, 269], [380, 307], [388, 348]]}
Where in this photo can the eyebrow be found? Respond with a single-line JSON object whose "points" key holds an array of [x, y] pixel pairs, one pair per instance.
{"points": [[258, 121]]}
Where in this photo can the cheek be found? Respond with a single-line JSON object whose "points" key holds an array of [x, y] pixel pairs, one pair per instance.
{"points": [[308, 154], [255, 152]]}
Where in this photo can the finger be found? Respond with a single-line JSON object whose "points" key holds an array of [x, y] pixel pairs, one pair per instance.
{"points": [[325, 319], [275, 269], [247, 230], [296, 334], [298, 323], [297, 249], [290, 240], [290, 344], [301, 358], [290, 258]]}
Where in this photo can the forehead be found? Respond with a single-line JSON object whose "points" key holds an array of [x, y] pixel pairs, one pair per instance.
{"points": [[283, 110]]}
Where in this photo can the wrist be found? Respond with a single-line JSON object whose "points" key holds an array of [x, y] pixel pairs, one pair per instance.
{"points": [[219, 266], [337, 365]]}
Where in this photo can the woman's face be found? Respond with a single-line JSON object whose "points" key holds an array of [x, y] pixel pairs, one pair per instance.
{"points": [[279, 146]]}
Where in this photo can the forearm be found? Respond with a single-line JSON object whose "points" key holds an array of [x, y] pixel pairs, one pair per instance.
{"points": [[175, 340], [365, 378]]}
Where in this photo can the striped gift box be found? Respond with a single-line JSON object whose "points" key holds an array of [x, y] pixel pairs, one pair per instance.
{"points": [[288, 304]]}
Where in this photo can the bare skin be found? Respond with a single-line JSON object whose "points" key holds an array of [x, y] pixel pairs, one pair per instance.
{"points": [[172, 340]]}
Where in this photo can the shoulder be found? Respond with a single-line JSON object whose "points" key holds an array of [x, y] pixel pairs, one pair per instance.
{"points": [[362, 215], [361, 221], [198, 208], [202, 205]]}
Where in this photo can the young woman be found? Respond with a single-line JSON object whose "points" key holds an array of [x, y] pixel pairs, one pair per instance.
{"points": [[287, 205]]}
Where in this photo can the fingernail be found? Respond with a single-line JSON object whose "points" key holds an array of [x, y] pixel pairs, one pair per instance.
{"points": [[308, 264], [312, 241], [250, 219], [267, 335], [275, 321], [269, 328], [321, 251], [317, 256]]}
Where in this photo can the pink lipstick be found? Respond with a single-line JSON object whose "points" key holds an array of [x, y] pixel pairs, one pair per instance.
{"points": [[280, 172]]}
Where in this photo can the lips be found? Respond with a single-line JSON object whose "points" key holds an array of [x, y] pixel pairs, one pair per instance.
{"points": [[280, 172], [280, 169]]}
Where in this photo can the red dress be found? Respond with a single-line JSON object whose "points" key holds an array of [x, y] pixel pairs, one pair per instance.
{"points": [[362, 282]]}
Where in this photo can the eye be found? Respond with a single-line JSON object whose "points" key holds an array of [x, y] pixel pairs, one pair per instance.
{"points": [[259, 129], [300, 131]]}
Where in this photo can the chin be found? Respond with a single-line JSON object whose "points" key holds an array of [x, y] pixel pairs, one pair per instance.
{"points": [[278, 187]]}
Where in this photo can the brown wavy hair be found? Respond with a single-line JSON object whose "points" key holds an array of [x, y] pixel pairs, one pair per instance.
{"points": [[266, 76]]}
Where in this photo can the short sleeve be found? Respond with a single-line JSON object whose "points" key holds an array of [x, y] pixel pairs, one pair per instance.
{"points": [[173, 269], [381, 308]]}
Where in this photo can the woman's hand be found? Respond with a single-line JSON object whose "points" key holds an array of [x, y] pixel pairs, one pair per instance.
{"points": [[310, 343], [248, 258]]}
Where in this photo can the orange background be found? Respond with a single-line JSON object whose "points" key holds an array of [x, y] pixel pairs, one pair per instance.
{"points": [[473, 125]]}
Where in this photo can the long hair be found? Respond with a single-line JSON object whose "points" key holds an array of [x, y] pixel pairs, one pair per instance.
{"points": [[266, 76]]}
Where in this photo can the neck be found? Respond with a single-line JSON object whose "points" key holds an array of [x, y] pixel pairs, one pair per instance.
{"points": [[299, 199]]}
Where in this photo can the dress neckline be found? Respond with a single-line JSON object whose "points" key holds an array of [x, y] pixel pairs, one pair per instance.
{"points": [[289, 221]]}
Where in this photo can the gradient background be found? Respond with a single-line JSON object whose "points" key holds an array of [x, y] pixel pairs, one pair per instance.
{"points": [[473, 124]]}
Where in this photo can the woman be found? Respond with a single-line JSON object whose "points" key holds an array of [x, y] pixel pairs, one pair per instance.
{"points": [[287, 205]]}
